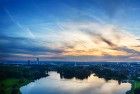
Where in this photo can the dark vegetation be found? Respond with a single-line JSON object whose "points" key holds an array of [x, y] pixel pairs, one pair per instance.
{"points": [[12, 77], [81, 72], [15, 71]]}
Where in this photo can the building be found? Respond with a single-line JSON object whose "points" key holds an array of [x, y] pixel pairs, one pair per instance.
{"points": [[37, 59], [29, 62]]}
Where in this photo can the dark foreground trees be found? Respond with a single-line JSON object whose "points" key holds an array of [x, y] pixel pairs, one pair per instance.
{"points": [[12, 77]]}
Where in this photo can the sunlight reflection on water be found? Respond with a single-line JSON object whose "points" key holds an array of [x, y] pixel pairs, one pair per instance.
{"points": [[53, 84]]}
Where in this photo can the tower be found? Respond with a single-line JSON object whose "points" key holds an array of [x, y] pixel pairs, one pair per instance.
{"points": [[29, 62], [37, 59], [75, 64]]}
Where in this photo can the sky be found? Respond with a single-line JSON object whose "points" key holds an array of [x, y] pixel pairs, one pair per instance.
{"points": [[70, 30]]}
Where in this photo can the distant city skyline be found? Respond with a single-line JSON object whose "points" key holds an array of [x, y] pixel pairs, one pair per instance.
{"points": [[70, 30]]}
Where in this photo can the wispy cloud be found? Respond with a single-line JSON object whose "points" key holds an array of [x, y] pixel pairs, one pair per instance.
{"points": [[68, 41], [25, 29], [92, 39]]}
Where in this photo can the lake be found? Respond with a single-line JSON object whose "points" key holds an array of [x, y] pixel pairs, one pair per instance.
{"points": [[53, 84]]}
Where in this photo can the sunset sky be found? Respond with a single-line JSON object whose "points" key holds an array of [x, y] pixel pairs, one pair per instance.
{"points": [[70, 30]]}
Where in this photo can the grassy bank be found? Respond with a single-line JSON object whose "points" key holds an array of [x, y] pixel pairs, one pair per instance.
{"points": [[136, 87], [13, 77], [12, 85]]}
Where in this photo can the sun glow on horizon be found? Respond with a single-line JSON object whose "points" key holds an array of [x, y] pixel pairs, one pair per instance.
{"points": [[83, 29], [93, 39]]}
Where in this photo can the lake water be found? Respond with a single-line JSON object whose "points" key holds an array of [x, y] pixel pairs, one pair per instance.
{"points": [[53, 84]]}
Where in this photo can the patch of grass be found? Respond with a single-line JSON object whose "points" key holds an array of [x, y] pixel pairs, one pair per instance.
{"points": [[137, 85], [9, 84], [12, 77]]}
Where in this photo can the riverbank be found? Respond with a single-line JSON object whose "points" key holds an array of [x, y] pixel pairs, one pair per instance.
{"points": [[12, 85], [135, 87], [13, 77]]}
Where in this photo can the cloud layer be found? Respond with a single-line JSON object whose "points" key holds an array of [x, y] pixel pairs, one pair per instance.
{"points": [[93, 39], [82, 40]]}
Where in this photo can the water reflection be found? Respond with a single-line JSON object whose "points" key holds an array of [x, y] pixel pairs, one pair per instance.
{"points": [[53, 84]]}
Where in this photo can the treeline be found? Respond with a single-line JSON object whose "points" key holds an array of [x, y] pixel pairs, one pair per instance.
{"points": [[77, 72], [26, 73], [109, 74], [29, 72], [82, 72], [12, 77]]}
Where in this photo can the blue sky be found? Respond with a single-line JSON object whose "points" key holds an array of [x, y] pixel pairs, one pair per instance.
{"points": [[82, 30]]}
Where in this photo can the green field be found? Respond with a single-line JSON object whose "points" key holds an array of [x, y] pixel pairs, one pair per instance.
{"points": [[13, 77], [11, 86], [136, 87]]}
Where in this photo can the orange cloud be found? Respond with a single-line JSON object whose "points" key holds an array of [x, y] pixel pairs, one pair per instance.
{"points": [[92, 39], [95, 53]]}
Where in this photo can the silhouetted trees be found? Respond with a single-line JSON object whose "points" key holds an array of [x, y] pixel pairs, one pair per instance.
{"points": [[82, 72], [32, 72]]}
